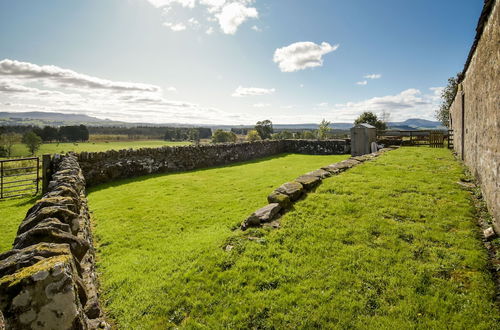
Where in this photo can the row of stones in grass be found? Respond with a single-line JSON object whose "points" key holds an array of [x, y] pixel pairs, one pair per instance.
{"points": [[102, 167], [283, 198], [48, 279]]}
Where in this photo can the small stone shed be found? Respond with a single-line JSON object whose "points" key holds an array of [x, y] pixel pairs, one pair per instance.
{"points": [[362, 136]]}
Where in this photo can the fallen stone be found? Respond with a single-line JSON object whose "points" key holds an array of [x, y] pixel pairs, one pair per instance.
{"points": [[489, 233], [275, 224], [320, 173], [265, 214], [308, 181], [282, 199], [292, 189]]}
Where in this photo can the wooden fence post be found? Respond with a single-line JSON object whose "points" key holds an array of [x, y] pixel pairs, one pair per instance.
{"points": [[46, 172]]}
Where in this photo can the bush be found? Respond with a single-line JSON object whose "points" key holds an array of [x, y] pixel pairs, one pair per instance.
{"points": [[253, 135], [221, 136]]}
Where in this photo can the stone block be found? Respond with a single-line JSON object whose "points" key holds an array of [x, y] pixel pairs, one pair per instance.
{"points": [[292, 189], [43, 295], [282, 199], [265, 214], [308, 181]]}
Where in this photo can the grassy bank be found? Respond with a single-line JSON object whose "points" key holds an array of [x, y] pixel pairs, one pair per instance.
{"points": [[20, 150], [391, 243]]}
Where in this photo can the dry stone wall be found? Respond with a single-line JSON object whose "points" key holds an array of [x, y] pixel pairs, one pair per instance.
{"points": [[102, 167], [48, 279], [475, 113]]}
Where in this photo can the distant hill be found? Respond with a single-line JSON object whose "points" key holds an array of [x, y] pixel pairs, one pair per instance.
{"points": [[59, 119], [416, 123]]}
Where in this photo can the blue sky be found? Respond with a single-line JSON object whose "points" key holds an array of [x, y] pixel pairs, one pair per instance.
{"points": [[232, 61]]}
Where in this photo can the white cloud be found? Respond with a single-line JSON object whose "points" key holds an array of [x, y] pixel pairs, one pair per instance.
{"points": [[213, 5], [66, 78], [210, 30], [262, 105], [302, 55], [233, 15], [362, 83], [373, 76], [168, 3], [50, 88], [410, 103], [256, 28], [252, 91], [175, 26], [323, 104], [437, 91], [171, 89], [230, 14]]}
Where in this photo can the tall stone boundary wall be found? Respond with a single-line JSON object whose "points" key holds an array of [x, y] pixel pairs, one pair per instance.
{"points": [[475, 113], [102, 167], [48, 279]]}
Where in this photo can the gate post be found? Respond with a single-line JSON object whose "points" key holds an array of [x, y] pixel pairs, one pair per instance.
{"points": [[46, 172]]}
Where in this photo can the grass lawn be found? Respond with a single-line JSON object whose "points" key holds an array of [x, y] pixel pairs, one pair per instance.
{"points": [[391, 243], [12, 212], [20, 150]]}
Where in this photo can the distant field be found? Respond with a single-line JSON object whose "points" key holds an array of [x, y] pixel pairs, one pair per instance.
{"points": [[20, 150], [390, 244]]}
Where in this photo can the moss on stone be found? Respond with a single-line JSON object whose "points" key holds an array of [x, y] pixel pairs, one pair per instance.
{"points": [[27, 272]]}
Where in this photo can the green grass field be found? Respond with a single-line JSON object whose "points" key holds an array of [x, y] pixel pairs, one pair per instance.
{"points": [[12, 212], [391, 243], [20, 150]]}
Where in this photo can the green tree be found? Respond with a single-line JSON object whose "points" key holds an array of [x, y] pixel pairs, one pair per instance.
{"points": [[324, 130], [447, 97], [7, 141], [308, 135], [253, 135], [221, 136], [32, 141], [264, 128], [369, 117], [194, 135]]}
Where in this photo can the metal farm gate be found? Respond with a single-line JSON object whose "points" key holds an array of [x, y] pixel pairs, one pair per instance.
{"points": [[19, 177]]}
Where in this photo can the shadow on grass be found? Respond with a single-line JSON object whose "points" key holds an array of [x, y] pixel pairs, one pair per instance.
{"points": [[120, 182], [23, 200]]}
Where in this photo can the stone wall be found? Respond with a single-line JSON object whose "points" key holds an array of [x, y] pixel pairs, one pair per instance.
{"points": [[476, 120], [102, 167], [48, 279]]}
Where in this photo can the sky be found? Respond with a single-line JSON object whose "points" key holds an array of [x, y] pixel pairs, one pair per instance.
{"points": [[232, 61]]}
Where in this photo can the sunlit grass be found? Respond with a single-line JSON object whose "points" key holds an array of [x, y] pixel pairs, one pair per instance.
{"points": [[12, 212], [153, 231], [390, 244]]}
